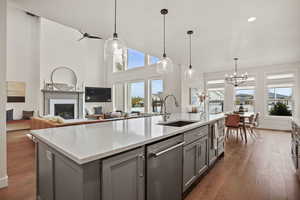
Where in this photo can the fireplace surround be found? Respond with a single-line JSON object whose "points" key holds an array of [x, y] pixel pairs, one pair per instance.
{"points": [[63, 103]]}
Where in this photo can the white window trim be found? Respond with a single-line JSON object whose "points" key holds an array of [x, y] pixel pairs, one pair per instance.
{"points": [[267, 115], [254, 100]]}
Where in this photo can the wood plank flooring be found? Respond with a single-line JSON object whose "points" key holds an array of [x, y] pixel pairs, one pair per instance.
{"points": [[20, 167], [259, 170]]}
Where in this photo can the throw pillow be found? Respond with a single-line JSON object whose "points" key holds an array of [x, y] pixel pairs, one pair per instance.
{"points": [[98, 110], [9, 115], [27, 114]]}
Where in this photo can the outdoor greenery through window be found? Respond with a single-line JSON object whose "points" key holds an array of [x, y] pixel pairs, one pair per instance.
{"points": [[137, 96], [280, 101], [156, 95], [245, 97], [216, 100], [135, 59]]}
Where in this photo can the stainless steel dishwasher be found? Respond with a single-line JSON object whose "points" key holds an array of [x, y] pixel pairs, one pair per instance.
{"points": [[164, 169]]}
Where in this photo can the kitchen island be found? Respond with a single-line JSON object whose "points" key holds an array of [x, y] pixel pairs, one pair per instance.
{"points": [[134, 159]]}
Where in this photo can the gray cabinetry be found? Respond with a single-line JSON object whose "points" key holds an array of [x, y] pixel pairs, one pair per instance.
{"points": [[202, 155], [195, 156], [190, 166], [59, 178], [123, 176], [164, 169], [212, 144]]}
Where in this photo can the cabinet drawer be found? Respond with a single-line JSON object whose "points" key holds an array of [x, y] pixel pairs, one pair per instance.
{"points": [[195, 134]]}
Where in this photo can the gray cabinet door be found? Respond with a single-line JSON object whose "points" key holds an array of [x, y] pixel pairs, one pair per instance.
{"points": [[123, 176], [202, 155], [190, 166], [164, 169], [212, 144], [44, 173]]}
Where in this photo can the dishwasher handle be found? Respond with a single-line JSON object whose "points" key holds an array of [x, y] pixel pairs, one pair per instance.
{"points": [[168, 149]]}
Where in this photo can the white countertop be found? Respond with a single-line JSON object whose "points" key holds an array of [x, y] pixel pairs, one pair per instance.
{"points": [[86, 143]]}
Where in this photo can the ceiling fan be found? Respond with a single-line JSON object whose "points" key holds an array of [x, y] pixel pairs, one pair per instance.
{"points": [[87, 35]]}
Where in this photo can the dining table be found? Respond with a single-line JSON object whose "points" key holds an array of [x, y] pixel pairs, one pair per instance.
{"points": [[244, 117]]}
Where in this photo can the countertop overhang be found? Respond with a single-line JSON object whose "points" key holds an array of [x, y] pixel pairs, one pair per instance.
{"points": [[87, 143]]}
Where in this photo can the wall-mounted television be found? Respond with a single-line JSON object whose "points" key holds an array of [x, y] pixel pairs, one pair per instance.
{"points": [[97, 94]]}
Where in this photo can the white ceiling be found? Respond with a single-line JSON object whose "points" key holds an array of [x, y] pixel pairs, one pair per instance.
{"points": [[221, 28]]}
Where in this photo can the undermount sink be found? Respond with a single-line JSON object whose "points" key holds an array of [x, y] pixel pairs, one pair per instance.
{"points": [[178, 123]]}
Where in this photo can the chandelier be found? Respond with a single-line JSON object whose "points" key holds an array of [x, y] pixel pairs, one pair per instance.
{"points": [[235, 79]]}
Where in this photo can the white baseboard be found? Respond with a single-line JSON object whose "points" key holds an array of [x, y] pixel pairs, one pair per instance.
{"points": [[4, 182]]}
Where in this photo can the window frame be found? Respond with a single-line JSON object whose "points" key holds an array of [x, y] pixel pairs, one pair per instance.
{"points": [[268, 99], [150, 91], [216, 89], [290, 83], [136, 67], [254, 95], [128, 92]]}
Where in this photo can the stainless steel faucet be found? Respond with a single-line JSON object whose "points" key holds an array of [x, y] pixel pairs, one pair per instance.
{"points": [[165, 114]]}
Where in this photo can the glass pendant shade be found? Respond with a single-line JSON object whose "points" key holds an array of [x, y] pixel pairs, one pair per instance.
{"points": [[165, 65], [114, 47], [190, 74]]}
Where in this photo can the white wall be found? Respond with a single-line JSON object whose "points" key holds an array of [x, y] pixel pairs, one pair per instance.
{"points": [[3, 169], [266, 121], [36, 46], [60, 47], [23, 57]]}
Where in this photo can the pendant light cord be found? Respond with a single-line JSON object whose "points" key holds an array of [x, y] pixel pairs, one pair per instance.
{"points": [[236, 59], [164, 24], [115, 24], [190, 51]]}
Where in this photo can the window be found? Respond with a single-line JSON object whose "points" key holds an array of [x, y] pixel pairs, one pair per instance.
{"points": [[156, 92], [135, 59], [279, 93], [280, 101], [153, 60], [194, 99], [216, 100], [136, 95], [245, 96]]}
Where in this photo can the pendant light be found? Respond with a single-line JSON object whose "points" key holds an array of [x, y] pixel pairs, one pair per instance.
{"points": [[165, 65], [114, 47], [190, 72], [235, 79]]}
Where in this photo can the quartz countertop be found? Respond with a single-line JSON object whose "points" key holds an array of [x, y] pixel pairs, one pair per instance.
{"points": [[87, 143]]}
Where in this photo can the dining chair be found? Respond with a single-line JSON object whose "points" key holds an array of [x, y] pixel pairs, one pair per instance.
{"points": [[249, 125], [232, 122]]}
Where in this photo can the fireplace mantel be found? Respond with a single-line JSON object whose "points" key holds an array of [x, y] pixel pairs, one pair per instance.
{"points": [[49, 95], [61, 91]]}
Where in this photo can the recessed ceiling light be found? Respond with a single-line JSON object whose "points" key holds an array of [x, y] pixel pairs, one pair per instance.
{"points": [[251, 19]]}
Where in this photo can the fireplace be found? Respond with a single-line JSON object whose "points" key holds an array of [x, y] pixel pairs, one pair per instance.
{"points": [[66, 111], [72, 102], [65, 108]]}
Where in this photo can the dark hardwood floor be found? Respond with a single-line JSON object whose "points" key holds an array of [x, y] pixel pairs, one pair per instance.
{"points": [[259, 170], [20, 167]]}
